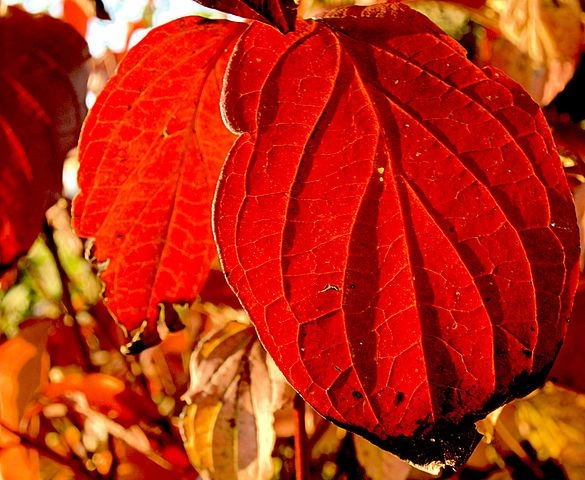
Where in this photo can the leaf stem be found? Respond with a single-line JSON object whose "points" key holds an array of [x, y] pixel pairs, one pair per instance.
{"points": [[320, 430], [301, 450], [66, 300]]}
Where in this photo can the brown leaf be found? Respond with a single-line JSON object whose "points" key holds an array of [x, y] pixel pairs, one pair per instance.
{"points": [[228, 424]]}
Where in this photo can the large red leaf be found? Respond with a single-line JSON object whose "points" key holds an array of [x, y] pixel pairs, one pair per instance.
{"points": [[397, 224], [278, 13], [150, 152], [42, 84], [29, 166]]}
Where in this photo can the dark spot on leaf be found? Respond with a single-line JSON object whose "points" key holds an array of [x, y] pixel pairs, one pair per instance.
{"points": [[232, 422], [399, 399], [357, 395], [488, 299], [527, 353], [352, 286]]}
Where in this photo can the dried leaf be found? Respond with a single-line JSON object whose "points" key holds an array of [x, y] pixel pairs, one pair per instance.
{"points": [[540, 44], [228, 424]]}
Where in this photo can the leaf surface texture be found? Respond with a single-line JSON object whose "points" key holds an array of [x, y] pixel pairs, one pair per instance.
{"points": [[397, 224], [150, 154]]}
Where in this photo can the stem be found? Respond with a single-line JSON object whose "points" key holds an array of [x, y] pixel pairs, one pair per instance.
{"points": [[301, 450], [66, 296], [320, 430]]}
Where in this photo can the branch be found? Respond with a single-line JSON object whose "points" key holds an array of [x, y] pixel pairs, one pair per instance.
{"points": [[301, 447]]}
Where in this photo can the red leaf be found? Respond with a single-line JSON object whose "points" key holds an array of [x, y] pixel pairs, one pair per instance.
{"points": [[397, 224], [41, 111], [150, 154], [27, 169], [41, 35], [278, 13]]}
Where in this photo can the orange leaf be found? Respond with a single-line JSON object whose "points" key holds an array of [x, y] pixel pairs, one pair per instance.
{"points": [[150, 154], [24, 367]]}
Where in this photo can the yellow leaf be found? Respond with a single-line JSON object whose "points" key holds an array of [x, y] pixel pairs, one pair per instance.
{"points": [[540, 43], [379, 464], [553, 421]]}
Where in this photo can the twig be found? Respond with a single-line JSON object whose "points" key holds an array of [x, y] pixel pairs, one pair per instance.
{"points": [[52, 246], [301, 450], [320, 430]]}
